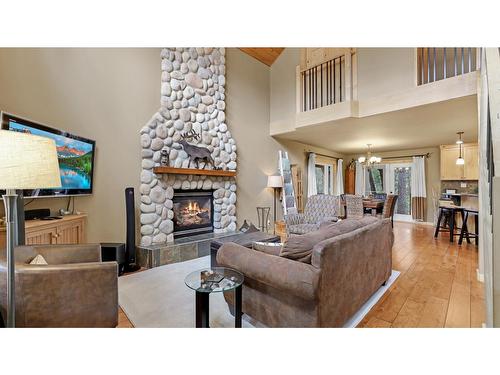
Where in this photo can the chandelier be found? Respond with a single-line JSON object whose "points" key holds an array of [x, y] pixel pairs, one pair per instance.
{"points": [[369, 159]]}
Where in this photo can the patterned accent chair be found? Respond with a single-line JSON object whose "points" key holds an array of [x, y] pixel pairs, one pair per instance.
{"points": [[354, 206], [389, 206], [319, 209]]}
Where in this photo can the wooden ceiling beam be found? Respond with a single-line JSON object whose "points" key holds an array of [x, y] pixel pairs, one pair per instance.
{"points": [[265, 55]]}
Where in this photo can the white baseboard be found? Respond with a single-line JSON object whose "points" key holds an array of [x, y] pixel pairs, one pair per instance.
{"points": [[480, 276], [415, 222]]}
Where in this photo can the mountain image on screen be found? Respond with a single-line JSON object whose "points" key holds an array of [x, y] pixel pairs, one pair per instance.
{"points": [[75, 157]]}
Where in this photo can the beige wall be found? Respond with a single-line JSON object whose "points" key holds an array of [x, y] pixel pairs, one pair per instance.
{"points": [[283, 94], [383, 71], [109, 94], [103, 94], [247, 112], [432, 174]]}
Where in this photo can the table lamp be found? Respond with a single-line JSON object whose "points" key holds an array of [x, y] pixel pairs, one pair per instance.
{"points": [[276, 183], [26, 162]]}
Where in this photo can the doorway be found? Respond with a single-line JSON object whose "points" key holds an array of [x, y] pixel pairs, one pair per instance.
{"points": [[399, 183]]}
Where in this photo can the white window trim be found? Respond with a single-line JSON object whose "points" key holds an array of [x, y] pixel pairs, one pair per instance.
{"points": [[332, 177]]}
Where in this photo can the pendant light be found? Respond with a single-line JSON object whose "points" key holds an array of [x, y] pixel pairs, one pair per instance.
{"points": [[460, 142]]}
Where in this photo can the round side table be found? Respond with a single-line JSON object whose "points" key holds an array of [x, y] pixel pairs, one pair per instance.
{"points": [[215, 280]]}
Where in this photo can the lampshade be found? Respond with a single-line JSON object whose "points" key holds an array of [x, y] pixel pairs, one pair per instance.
{"points": [[28, 162], [274, 181]]}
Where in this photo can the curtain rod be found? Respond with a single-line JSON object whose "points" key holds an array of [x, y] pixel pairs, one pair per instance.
{"points": [[326, 156], [428, 155]]}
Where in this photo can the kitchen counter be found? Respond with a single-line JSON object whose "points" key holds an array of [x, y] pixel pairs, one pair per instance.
{"points": [[468, 200], [461, 195]]}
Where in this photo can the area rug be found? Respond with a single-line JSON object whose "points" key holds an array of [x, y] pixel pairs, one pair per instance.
{"points": [[158, 298]]}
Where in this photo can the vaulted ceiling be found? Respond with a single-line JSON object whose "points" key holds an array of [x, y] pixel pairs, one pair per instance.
{"points": [[264, 55]]}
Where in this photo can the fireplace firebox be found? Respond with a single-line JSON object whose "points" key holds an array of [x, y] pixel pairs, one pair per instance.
{"points": [[193, 212]]}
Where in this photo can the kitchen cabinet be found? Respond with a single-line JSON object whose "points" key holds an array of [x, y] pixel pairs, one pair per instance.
{"points": [[466, 172]]}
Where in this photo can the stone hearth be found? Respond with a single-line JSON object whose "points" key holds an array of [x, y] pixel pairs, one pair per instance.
{"points": [[192, 102]]}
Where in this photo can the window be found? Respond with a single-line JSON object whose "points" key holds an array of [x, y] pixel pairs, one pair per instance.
{"points": [[324, 178], [375, 180]]}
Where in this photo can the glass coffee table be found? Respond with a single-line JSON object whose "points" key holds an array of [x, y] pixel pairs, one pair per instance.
{"points": [[215, 280]]}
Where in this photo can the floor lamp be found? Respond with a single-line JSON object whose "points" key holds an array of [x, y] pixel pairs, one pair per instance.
{"points": [[276, 183], [26, 162]]}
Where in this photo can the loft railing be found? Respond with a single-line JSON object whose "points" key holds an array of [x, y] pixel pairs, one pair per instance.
{"points": [[329, 82], [323, 84], [435, 64]]}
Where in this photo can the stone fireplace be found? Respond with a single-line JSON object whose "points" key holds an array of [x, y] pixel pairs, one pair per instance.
{"points": [[192, 114], [193, 212]]}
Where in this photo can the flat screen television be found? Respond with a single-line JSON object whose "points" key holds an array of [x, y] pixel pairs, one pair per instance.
{"points": [[75, 154]]}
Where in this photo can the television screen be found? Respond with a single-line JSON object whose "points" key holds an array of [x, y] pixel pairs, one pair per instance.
{"points": [[75, 154]]}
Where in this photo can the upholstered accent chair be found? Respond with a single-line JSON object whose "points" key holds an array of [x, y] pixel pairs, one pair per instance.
{"points": [[354, 206], [389, 207], [319, 209], [74, 289]]}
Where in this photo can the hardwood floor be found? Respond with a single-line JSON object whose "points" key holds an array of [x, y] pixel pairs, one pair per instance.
{"points": [[437, 286], [123, 321]]}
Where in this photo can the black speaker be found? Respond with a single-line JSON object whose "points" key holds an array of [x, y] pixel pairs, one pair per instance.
{"points": [[130, 265], [19, 220]]}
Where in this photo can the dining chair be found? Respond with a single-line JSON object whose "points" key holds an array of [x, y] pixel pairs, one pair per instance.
{"points": [[389, 207], [354, 206]]}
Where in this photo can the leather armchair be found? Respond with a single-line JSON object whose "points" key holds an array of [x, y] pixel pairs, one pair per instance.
{"points": [[75, 289]]}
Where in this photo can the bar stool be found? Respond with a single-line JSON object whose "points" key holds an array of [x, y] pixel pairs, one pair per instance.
{"points": [[465, 231], [448, 214]]}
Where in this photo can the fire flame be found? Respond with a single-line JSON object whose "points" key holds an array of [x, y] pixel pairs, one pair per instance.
{"points": [[193, 206]]}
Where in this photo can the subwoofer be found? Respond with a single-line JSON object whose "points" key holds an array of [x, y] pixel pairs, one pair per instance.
{"points": [[130, 265]]}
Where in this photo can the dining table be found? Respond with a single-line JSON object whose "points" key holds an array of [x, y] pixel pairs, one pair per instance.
{"points": [[375, 205]]}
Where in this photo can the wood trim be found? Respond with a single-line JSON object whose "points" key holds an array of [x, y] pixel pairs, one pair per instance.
{"points": [[311, 57], [425, 67], [348, 76], [354, 68], [418, 62], [192, 171], [298, 96]]}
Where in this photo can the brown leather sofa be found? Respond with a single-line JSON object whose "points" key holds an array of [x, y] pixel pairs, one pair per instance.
{"points": [[75, 289], [344, 271]]}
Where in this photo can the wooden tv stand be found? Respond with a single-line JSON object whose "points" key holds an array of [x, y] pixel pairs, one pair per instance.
{"points": [[68, 230]]}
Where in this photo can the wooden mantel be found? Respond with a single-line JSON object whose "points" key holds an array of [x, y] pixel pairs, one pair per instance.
{"points": [[192, 171]]}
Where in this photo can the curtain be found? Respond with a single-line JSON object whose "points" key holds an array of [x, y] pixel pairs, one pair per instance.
{"points": [[418, 192], [387, 179], [359, 184], [311, 175], [339, 185]]}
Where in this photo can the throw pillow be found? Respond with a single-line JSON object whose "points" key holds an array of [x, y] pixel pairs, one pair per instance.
{"points": [[300, 247], [39, 260], [271, 248]]}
